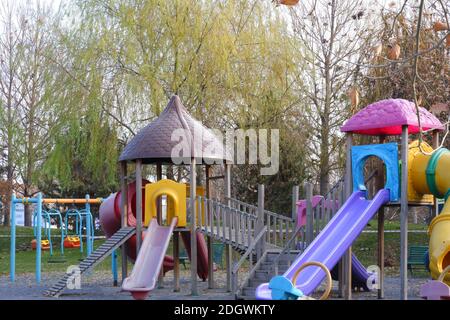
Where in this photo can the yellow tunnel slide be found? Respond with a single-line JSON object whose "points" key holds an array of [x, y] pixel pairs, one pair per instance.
{"points": [[430, 174]]}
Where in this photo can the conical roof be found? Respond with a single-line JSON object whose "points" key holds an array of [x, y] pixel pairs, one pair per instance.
{"points": [[168, 139]]}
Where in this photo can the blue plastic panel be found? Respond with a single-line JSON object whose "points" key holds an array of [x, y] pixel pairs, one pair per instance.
{"points": [[388, 152]]}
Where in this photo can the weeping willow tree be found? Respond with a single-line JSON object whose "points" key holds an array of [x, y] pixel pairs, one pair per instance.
{"points": [[84, 158], [233, 64]]}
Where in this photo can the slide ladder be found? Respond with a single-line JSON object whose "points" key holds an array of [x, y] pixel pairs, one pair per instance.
{"points": [[102, 252]]}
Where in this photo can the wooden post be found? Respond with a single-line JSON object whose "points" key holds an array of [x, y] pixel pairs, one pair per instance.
{"points": [[404, 217], [435, 146], [295, 190], [341, 275], [228, 249], [309, 213], [124, 213], [259, 248], [159, 219], [348, 191], [193, 188], [209, 238], [138, 205], [380, 184], [176, 259]]}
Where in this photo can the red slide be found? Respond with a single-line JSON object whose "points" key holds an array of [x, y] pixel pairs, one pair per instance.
{"points": [[110, 222], [202, 253]]}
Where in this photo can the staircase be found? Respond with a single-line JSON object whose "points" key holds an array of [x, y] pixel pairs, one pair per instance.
{"points": [[264, 272], [102, 252]]}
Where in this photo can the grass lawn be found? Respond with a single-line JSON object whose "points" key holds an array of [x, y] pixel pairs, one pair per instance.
{"points": [[25, 256], [365, 248]]}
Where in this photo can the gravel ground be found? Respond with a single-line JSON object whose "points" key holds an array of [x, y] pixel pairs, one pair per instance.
{"points": [[98, 286], [391, 290]]}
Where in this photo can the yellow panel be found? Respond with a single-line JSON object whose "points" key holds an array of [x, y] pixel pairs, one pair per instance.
{"points": [[176, 200], [200, 191], [418, 191]]}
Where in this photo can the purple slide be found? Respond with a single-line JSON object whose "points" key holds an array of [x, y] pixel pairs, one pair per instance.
{"points": [[330, 245]]}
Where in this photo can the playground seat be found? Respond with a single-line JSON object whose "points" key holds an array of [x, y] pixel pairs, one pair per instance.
{"points": [[72, 242], [218, 253], [45, 244], [417, 257]]}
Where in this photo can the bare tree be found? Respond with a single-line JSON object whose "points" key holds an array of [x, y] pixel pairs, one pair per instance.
{"points": [[330, 33], [11, 40]]}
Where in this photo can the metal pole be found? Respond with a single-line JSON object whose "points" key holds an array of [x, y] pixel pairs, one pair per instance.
{"points": [[193, 188], [12, 256], [160, 220], [295, 191], [114, 267], [309, 213], [38, 238], [176, 258], [228, 249], [138, 205], [209, 238], [260, 222], [348, 191], [404, 217], [124, 213], [380, 184], [88, 226], [435, 146]]}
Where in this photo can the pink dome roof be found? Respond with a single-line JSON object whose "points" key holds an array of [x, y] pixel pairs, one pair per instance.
{"points": [[386, 117]]}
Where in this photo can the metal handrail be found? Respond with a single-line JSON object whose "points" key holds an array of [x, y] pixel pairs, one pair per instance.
{"points": [[250, 274], [238, 264], [268, 212], [278, 216], [286, 247]]}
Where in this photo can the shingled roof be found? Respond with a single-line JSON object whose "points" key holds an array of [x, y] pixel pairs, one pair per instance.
{"points": [[386, 117], [153, 143]]}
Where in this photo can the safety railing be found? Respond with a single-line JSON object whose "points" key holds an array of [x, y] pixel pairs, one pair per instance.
{"points": [[225, 223], [248, 254], [279, 227]]}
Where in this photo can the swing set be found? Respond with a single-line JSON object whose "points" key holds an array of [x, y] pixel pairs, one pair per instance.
{"points": [[47, 215]]}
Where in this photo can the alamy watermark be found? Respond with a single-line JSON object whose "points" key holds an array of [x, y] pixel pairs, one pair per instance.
{"points": [[74, 280], [231, 145], [373, 281]]}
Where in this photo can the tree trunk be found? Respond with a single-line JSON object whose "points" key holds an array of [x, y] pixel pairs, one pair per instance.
{"points": [[324, 165], [27, 210], [7, 199], [169, 172], [325, 117]]}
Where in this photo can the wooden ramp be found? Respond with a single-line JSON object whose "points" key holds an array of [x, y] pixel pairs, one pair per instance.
{"points": [[102, 252]]}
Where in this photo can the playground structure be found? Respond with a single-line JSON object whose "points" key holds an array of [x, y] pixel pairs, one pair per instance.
{"points": [[300, 249], [149, 146], [38, 214], [424, 172]]}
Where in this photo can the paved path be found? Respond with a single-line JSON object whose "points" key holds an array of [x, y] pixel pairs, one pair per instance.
{"points": [[98, 286]]}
